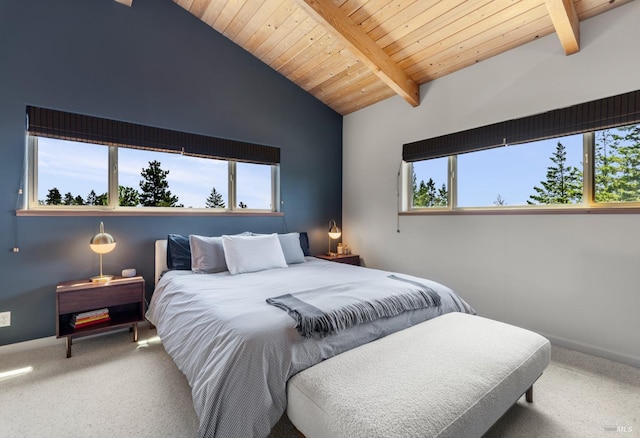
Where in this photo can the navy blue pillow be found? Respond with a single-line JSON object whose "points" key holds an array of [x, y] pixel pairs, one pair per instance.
{"points": [[178, 252], [304, 243]]}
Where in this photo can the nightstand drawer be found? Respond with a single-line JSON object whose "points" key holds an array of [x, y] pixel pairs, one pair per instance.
{"points": [[106, 296]]}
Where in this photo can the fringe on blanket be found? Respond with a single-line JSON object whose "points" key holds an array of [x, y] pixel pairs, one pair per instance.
{"points": [[356, 313], [328, 321]]}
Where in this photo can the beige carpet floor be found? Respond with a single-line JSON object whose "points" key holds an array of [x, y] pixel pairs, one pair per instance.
{"points": [[112, 387]]}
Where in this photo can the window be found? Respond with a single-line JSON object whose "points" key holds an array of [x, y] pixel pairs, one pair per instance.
{"points": [[586, 155], [254, 186], [71, 174], [429, 183], [74, 174], [190, 181], [547, 172], [542, 172], [81, 162], [617, 165]]}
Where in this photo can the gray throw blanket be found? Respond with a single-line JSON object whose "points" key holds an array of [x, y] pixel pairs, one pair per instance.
{"points": [[326, 310]]}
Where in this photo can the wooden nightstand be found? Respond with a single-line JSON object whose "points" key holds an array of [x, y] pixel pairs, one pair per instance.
{"points": [[350, 259], [124, 297]]}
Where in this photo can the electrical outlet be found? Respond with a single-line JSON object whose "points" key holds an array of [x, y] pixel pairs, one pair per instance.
{"points": [[5, 319]]}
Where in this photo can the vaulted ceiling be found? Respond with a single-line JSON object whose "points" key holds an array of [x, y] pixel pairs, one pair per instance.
{"points": [[354, 53]]}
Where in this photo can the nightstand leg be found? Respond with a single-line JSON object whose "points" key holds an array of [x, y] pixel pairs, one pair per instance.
{"points": [[135, 332], [68, 344]]}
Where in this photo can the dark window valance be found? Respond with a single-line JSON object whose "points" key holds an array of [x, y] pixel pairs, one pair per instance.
{"points": [[68, 126], [610, 112]]}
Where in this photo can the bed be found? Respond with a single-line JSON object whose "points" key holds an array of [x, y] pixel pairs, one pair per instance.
{"points": [[238, 352]]}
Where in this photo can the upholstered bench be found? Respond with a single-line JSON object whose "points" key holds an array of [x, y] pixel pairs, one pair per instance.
{"points": [[452, 376]]}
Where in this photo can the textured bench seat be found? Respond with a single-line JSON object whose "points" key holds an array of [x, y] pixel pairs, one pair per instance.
{"points": [[452, 376]]}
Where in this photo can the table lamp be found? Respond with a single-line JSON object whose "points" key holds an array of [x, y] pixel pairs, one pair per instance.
{"points": [[102, 243], [334, 233]]}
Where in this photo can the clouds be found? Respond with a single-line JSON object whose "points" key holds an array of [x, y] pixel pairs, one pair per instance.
{"points": [[80, 167], [190, 178], [71, 167], [254, 185]]}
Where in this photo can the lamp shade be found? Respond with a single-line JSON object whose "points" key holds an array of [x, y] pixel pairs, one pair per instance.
{"points": [[334, 231], [102, 242]]}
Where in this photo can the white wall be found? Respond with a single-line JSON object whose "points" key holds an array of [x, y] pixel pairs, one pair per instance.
{"points": [[574, 278]]}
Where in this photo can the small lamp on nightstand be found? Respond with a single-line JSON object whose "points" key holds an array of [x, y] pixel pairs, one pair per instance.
{"points": [[102, 243], [334, 233]]}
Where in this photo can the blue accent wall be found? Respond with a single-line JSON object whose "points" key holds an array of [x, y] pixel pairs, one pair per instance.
{"points": [[153, 64]]}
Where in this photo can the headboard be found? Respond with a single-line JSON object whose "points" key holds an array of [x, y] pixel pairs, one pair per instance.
{"points": [[161, 259]]}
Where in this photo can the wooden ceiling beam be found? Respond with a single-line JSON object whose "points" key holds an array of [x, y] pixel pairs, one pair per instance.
{"points": [[363, 47], [565, 20]]}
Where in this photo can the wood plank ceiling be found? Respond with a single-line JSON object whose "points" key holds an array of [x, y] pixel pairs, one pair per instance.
{"points": [[354, 53]]}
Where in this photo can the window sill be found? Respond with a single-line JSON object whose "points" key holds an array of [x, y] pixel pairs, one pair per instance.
{"points": [[141, 212], [523, 211]]}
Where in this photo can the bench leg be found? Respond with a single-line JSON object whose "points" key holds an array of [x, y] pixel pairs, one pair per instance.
{"points": [[529, 395]]}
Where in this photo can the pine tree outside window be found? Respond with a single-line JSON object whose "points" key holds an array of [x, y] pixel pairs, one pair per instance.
{"points": [[75, 176], [590, 156], [215, 200], [429, 183], [617, 165], [66, 166], [539, 173], [78, 162], [542, 174]]}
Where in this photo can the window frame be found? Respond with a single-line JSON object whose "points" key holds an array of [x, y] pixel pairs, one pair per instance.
{"points": [[32, 207], [589, 204]]}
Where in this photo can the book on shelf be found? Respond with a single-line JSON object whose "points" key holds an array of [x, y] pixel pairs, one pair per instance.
{"points": [[93, 322], [91, 317], [91, 313]]}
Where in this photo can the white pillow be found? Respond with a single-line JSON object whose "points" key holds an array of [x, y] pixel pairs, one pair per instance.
{"points": [[253, 253], [207, 253], [291, 248]]}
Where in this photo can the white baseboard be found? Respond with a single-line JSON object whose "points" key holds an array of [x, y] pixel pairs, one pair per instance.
{"points": [[52, 340], [30, 345], [594, 351]]}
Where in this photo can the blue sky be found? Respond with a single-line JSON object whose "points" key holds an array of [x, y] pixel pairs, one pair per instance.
{"points": [[510, 172], [80, 167]]}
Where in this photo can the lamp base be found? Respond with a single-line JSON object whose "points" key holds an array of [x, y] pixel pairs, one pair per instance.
{"points": [[102, 278]]}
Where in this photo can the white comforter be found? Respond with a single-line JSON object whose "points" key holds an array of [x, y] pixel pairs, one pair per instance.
{"points": [[238, 352]]}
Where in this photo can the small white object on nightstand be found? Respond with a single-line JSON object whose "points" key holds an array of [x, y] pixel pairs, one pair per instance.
{"points": [[129, 272]]}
